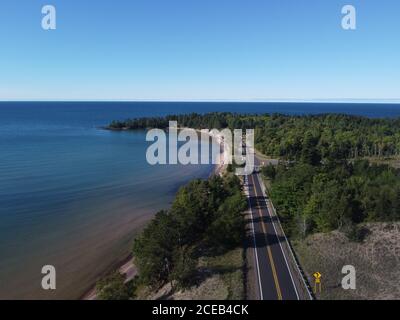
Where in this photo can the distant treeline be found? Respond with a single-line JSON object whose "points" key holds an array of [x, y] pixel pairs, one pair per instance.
{"points": [[311, 138], [206, 218]]}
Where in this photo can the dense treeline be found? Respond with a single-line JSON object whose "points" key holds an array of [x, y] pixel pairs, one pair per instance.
{"points": [[206, 214], [205, 218], [335, 195], [309, 138]]}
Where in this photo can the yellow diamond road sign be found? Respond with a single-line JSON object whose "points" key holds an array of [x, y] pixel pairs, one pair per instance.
{"points": [[317, 277], [317, 282]]}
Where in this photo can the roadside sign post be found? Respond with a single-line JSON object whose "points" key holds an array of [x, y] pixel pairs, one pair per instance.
{"points": [[317, 281]]}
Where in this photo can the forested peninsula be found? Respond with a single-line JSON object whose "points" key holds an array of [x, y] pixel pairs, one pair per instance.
{"points": [[329, 135], [335, 173]]}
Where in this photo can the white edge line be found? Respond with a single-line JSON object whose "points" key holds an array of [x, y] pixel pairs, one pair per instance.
{"points": [[276, 234], [294, 259], [290, 249], [254, 238]]}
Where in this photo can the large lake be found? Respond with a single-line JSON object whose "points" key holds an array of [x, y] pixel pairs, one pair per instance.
{"points": [[73, 195]]}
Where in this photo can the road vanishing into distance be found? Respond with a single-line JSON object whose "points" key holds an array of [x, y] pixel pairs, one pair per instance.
{"points": [[275, 281]]}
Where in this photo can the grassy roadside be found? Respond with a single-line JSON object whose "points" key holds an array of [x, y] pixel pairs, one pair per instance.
{"points": [[376, 260], [221, 277], [230, 266]]}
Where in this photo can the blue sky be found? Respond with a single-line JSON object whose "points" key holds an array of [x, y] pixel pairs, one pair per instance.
{"points": [[199, 50]]}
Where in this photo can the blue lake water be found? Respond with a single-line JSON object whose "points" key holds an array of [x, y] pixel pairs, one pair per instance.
{"points": [[73, 195]]}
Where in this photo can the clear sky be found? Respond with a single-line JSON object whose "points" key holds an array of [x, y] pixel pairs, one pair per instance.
{"points": [[199, 50]]}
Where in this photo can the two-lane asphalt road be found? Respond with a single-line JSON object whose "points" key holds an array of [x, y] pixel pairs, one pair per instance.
{"points": [[275, 281]]}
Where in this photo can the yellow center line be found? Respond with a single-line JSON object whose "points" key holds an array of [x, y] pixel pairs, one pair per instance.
{"points": [[271, 259]]}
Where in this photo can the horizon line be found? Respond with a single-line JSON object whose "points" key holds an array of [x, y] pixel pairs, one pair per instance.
{"points": [[327, 101]]}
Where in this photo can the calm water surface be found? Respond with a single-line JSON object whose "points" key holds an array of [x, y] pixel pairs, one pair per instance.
{"points": [[73, 195]]}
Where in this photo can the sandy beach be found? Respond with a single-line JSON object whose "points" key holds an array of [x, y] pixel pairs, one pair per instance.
{"points": [[128, 269]]}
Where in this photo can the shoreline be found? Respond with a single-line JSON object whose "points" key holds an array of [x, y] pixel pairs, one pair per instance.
{"points": [[127, 266]]}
